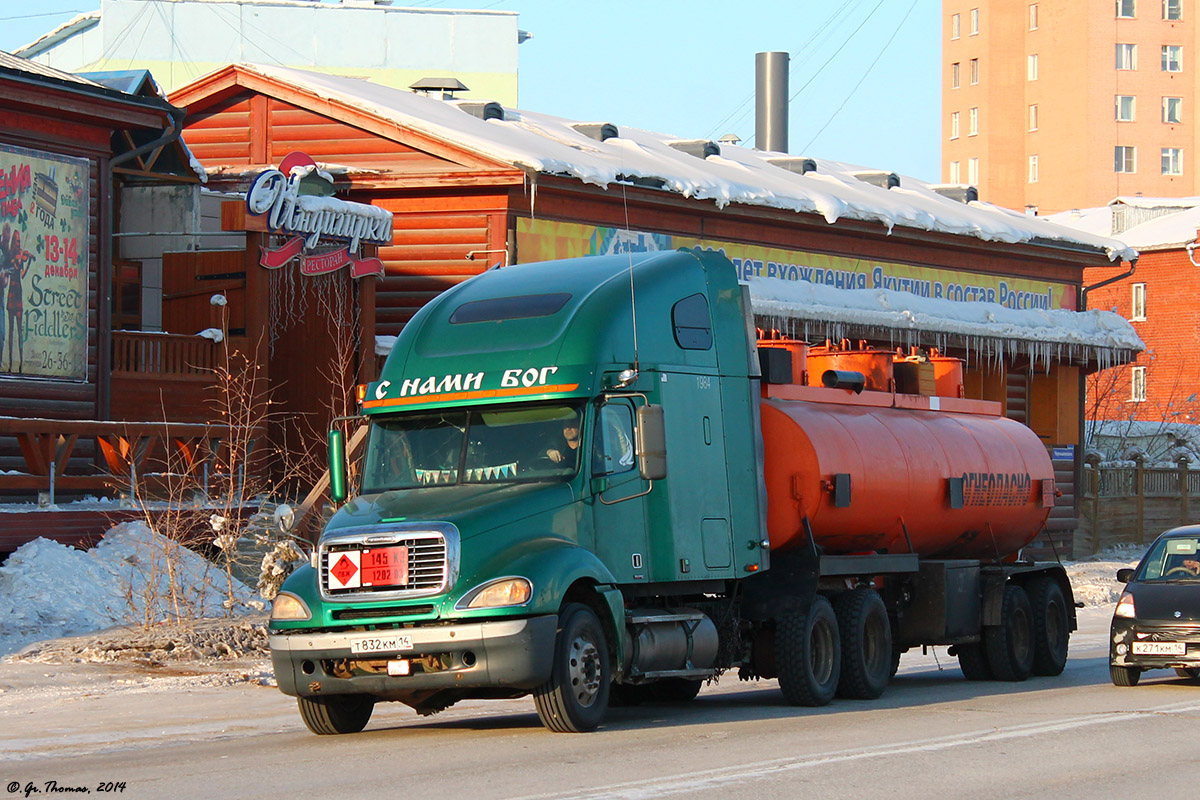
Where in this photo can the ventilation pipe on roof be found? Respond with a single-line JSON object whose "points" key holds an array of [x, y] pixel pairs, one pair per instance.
{"points": [[771, 101], [447, 86], [801, 166], [957, 191], [600, 131], [700, 148], [484, 111], [884, 180]]}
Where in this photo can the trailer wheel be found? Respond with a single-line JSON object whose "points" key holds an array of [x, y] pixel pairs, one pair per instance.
{"points": [[866, 635], [336, 713], [973, 661], [576, 696], [1124, 676], [808, 654], [1009, 645], [1051, 632]]}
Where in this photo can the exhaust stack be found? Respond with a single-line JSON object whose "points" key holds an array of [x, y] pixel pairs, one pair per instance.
{"points": [[771, 101]]}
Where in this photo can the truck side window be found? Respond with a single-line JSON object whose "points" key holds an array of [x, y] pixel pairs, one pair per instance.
{"points": [[693, 331], [613, 450]]}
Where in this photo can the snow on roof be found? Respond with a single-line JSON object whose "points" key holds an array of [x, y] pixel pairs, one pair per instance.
{"points": [[548, 145], [806, 309], [1174, 228], [67, 29]]}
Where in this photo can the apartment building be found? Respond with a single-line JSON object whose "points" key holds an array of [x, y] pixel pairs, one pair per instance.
{"points": [[1061, 104]]}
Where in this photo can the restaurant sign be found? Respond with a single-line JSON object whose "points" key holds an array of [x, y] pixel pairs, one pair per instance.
{"points": [[295, 200], [43, 264]]}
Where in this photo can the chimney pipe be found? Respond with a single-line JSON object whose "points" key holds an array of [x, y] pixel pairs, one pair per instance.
{"points": [[771, 101]]}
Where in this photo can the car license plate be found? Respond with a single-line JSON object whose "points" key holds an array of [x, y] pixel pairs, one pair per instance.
{"points": [[1160, 648], [380, 644]]}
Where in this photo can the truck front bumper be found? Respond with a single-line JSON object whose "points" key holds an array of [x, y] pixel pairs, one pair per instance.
{"points": [[511, 653]]}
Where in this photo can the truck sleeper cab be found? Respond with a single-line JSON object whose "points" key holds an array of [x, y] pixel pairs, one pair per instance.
{"points": [[552, 505]]}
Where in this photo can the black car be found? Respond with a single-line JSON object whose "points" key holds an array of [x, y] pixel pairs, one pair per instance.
{"points": [[1157, 621]]}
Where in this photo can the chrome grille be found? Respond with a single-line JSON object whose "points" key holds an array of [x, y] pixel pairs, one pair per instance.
{"points": [[432, 559]]}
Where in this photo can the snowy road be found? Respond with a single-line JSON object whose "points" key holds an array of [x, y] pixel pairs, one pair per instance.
{"points": [[932, 733]]}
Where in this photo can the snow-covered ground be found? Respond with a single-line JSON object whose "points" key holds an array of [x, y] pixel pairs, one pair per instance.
{"points": [[49, 591]]}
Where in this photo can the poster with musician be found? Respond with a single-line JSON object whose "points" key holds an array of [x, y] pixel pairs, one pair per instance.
{"points": [[43, 264]]}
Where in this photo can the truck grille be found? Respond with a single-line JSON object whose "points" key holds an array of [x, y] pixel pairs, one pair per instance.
{"points": [[432, 560]]}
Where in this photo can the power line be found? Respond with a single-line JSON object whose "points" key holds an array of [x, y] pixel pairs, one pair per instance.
{"points": [[35, 16]]}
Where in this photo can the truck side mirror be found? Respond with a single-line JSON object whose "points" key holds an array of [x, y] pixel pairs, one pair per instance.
{"points": [[651, 443], [337, 466]]}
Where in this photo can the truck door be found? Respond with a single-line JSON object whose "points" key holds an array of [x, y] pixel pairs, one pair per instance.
{"points": [[618, 500]]}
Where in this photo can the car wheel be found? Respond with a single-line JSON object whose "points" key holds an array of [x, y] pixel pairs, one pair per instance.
{"points": [[1009, 645], [576, 696], [1124, 676], [336, 713]]}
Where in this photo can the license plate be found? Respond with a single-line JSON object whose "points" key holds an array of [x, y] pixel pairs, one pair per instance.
{"points": [[380, 644], [1160, 648]]}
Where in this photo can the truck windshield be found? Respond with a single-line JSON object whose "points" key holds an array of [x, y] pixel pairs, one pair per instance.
{"points": [[511, 444]]}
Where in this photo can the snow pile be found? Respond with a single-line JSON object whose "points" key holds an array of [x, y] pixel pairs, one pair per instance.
{"points": [[1094, 579], [48, 590]]}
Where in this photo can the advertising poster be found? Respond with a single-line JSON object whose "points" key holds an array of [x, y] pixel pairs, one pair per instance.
{"points": [[43, 264], [541, 240]]}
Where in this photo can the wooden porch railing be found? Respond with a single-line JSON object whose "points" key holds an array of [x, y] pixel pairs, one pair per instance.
{"points": [[162, 354], [130, 452]]}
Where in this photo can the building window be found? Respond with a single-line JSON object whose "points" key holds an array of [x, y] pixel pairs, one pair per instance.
{"points": [[1125, 108], [955, 26], [1173, 109], [1125, 159], [1031, 67], [953, 124], [1033, 17], [1137, 384], [1126, 56], [955, 72], [973, 122], [1138, 304], [973, 171], [1125, 9], [955, 172], [974, 21], [1172, 161], [1033, 169], [1172, 9], [974, 70], [1172, 58]]}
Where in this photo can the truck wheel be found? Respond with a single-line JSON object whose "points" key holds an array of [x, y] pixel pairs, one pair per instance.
{"points": [[895, 665], [1051, 633], [576, 696], [866, 637], [1009, 645], [1124, 676], [336, 713], [808, 654], [973, 661]]}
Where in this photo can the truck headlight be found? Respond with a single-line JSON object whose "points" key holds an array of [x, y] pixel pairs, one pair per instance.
{"points": [[288, 606], [498, 593], [1125, 606]]}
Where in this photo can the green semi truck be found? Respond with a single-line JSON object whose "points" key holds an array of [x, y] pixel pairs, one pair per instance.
{"points": [[567, 492]]}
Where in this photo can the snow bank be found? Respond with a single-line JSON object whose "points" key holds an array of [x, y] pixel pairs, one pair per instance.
{"points": [[48, 590], [1094, 579]]}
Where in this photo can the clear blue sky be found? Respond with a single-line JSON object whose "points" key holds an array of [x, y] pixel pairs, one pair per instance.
{"points": [[864, 73]]}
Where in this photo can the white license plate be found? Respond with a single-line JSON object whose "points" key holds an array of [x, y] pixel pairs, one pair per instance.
{"points": [[1160, 648], [380, 644]]}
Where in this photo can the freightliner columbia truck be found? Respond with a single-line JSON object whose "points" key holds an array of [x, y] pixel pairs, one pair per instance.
{"points": [[590, 481]]}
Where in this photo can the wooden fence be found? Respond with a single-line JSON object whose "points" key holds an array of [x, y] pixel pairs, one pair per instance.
{"points": [[1133, 504]]}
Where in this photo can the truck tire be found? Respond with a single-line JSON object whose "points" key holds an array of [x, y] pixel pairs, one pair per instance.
{"points": [[1009, 645], [1124, 676], [895, 666], [808, 654], [1051, 634], [866, 635], [973, 661], [576, 696], [336, 713]]}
